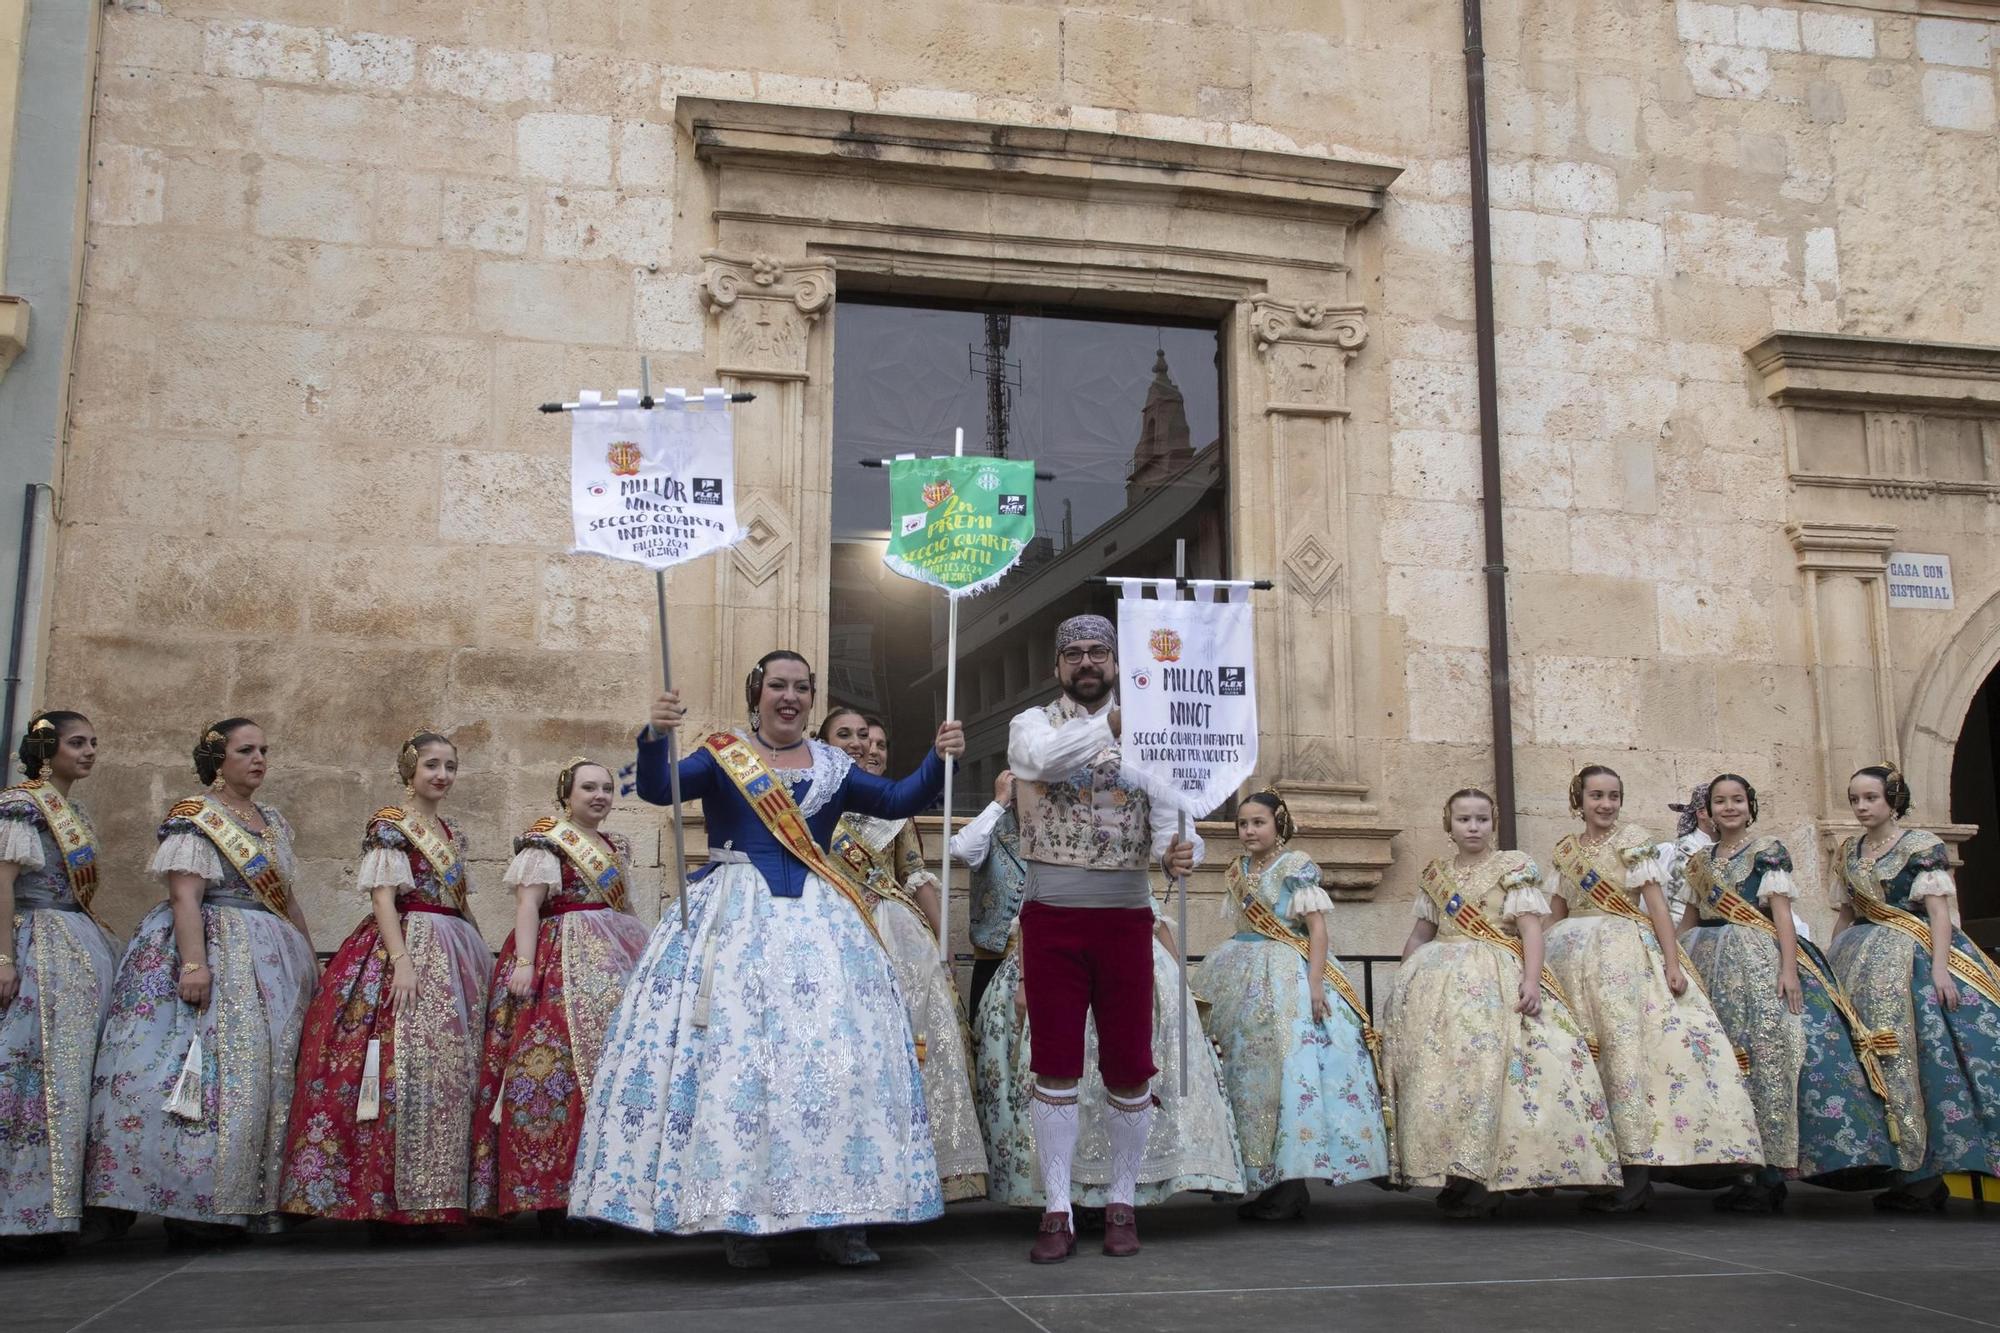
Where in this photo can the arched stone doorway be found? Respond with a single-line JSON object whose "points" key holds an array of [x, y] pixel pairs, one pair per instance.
{"points": [[1951, 744]]}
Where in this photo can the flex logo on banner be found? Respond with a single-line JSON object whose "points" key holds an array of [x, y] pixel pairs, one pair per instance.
{"points": [[653, 487], [1188, 697]]}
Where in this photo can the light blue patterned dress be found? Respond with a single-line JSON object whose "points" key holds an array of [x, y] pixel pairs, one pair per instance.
{"points": [[1944, 1087], [1303, 1091], [48, 1035], [760, 1075]]}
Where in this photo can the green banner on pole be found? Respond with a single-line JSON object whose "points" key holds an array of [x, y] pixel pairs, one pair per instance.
{"points": [[959, 523]]}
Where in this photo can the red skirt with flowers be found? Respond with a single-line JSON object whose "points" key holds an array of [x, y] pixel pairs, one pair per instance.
{"points": [[407, 1164], [541, 1052]]}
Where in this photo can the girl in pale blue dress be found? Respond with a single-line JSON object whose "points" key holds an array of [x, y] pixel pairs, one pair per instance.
{"points": [[1295, 1057]]}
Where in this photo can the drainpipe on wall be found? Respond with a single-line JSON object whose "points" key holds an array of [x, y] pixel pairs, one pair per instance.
{"points": [[17, 639], [1489, 429]]}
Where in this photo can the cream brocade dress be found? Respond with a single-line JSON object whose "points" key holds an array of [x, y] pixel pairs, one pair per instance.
{"points": [[937, 1019], [1481, 1092], [1670, 1075]]}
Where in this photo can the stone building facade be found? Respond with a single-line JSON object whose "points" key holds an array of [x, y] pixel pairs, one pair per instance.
{"points": [[1747, 274]]}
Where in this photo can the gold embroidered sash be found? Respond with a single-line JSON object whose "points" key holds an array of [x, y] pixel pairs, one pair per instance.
{"points": [[599, 868], [1268, 924], [240, 847], [1572, 862], [773, 802], [1444, 895], [74, 839], [434, 847], [876, 869], [1975, 969], [1869, 1044]]}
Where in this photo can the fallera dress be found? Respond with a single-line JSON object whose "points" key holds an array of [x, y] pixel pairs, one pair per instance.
{"points": [[1484, 1093], [1670, 1076], [1816, 1114], [1302, 1091], [1944, 1087], [889, 858], [541, 1053], [223, 1165], [760, 1075], [386, 1137], [65, 960]]}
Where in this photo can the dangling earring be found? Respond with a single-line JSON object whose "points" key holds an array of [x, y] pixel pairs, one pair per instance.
{"points": [[409, 791], [216, 783], [41, 768]]}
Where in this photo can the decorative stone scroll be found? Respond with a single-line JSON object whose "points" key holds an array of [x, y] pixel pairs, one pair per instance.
{"points": [[764, 309]]}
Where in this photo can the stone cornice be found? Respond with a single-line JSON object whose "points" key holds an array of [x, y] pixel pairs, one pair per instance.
{"points": [[1060, 160], [1845, 371]]}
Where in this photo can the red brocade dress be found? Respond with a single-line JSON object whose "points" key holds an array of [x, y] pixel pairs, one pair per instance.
{"points": [[388, 1138], [541, 1052]]}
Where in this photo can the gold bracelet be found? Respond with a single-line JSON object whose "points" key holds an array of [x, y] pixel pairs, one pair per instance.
{"points": [[192, 967], [6, 960], [405, 953]]}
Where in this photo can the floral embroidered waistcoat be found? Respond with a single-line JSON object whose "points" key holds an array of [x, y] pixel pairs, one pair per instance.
{"points": [[1093, 818]]}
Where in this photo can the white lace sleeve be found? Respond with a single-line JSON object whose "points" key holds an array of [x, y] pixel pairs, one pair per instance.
{"points": [[535, 867], [1525, 894], [1424, 908], [1928, 884], [187, 854], [1653, 864], [384, 868], [1309, 898], [21, 843], [1777, 884]]}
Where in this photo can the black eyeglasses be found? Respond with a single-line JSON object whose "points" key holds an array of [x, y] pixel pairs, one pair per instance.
{"points": [[1076, 656]]}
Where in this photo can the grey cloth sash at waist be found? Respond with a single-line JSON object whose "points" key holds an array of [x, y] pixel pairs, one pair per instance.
{"points": [[1075, 886]]}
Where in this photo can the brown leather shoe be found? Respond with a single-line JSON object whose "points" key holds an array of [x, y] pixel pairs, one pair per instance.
{"points": [[1056, 1242], [1121, 1231]]}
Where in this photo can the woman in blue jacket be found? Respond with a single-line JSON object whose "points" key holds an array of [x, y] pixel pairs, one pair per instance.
{"points": [[760, 1075]]}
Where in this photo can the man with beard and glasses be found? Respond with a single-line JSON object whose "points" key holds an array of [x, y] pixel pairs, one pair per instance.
{"points": [[1087, 830]]}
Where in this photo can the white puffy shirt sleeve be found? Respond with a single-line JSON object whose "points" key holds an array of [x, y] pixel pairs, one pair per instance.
{"points": [[533, 867], [973, 842], [1041, 751], [1525, 895]]}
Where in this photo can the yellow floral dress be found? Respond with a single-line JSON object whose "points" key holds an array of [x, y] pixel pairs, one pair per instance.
{"points": [[1670, 1076], [1484, 1093]]}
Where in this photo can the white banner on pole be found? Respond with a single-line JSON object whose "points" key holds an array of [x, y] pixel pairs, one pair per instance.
{"points": [[653, 486], [1188, 697]]}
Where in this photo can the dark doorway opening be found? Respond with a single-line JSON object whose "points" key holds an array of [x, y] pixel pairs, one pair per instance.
{"points": [[1975, 799]]}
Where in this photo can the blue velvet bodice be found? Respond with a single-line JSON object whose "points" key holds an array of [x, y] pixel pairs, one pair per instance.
{"points": [[732, 823]]}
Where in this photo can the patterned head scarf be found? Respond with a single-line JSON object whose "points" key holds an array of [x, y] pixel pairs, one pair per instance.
{"points": [[1078, 628], [1697, 800]]}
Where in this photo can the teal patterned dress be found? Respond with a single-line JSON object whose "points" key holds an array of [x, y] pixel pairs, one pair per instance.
{"points": [[1944, 1086], [1816, 1114]]}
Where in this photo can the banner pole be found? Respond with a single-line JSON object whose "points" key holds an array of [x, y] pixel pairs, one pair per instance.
{"points": [[667, 683], [1181, 940], [950, 712]]}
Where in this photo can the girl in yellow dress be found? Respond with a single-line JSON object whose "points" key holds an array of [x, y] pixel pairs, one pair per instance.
{"points": [[1495, 1088], [1670, 1076]]}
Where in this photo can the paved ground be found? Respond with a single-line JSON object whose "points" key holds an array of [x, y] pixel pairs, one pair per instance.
{"points": [[1365, 1259]]}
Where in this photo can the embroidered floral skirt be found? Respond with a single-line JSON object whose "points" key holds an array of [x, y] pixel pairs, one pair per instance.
{"points": [[1816, 1115], [1302, 1091], [1191, 1146], [760, 1075], [541, 1054], [1944, 1089], [224, 1167], [931, 1000], [409, 1164], [48, 1044], [1670, 1076], [1484, 1093]]}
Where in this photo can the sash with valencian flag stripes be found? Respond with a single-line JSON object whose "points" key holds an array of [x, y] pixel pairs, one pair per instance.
{"points": [[773, 802], [1706, 878], [241, 848], [1443, 891], [74, 838], [587, 856]]}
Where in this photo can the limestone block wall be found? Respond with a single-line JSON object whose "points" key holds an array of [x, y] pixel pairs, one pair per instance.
{"points": [[337, 251]]}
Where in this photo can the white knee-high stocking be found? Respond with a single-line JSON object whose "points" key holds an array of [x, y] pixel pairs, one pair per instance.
{"points": [[1129, 1123], [1055, 1119]]}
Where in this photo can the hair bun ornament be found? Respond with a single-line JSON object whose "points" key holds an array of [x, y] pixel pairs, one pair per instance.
{"points": [[212, 737], [42, 724]]}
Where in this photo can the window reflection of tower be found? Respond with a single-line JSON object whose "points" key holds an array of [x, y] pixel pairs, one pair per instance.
{"points": [[1164, 449]]}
